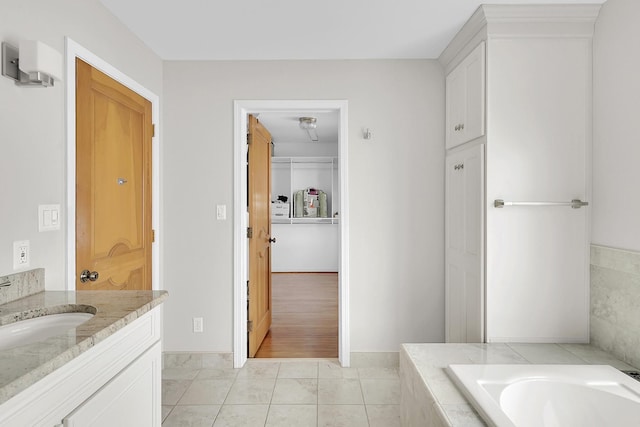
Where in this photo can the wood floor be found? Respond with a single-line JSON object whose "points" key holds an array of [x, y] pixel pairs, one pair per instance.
{"points": [[304, 316]]}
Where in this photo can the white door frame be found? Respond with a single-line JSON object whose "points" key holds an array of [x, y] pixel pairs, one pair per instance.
{"points": [[240, 217], [73, 51]]}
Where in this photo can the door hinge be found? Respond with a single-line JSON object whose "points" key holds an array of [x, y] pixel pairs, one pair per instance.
{"points": [[249, 232], [153, 236], [153, 130], [250, 326]]}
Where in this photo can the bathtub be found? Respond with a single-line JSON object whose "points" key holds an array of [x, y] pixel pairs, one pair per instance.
{"points": [[550, 395]]}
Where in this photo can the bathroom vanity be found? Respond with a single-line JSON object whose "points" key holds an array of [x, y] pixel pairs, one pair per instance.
{"points": [[104, 372]]}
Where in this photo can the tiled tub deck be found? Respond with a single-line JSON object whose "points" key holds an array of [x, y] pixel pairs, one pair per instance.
{"points": [[429, 398]]}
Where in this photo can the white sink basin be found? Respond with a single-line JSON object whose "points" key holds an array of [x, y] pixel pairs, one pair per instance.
{"points": [[39, 328]]}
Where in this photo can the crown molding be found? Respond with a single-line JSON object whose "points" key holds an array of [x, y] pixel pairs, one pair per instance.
{"points": [[562, 20]]}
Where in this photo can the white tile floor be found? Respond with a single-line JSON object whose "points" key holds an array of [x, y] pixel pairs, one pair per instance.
{"points": [[281, 393]]}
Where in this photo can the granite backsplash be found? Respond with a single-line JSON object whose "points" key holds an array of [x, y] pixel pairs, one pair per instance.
{"points": [[20, 285]]}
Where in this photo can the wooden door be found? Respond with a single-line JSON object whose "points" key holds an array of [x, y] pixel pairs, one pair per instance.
{"points": [[464, 237], [113, 183], [259, 199]]}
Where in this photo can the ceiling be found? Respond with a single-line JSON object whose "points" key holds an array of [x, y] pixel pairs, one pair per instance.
{"points": [[299, 29], [285, 128]]}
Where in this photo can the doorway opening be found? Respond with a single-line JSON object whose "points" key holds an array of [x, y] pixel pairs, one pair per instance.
{"points": [[305, 215], [296, 265]]}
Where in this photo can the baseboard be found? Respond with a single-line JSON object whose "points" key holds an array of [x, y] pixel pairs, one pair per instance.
{"points": [[203, 360], [196, 360]]}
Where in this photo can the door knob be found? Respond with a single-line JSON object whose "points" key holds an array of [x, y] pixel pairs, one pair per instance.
{"points": [[89, 275], [272, 240]]}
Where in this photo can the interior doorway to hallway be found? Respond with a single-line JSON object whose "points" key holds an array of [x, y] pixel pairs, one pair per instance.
{"points": [[304, 230], [309, 222]]}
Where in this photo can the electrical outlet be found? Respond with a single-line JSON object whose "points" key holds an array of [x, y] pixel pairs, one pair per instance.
{"points": [[197, 324], [21, 255]]}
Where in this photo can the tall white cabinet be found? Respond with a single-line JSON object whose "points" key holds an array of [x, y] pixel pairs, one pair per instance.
{"points": [[464, 241], [533, 261]]}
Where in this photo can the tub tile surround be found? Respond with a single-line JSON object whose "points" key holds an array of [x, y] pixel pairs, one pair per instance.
{"points": [[23, 366], [615, 302], [428, 397]]}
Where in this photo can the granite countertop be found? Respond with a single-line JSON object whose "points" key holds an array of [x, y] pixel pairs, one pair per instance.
{"points": [[20, 367], [422, 369]]}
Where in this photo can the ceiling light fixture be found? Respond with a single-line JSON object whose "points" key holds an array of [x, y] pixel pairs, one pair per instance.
{"points": [[309, 124]]}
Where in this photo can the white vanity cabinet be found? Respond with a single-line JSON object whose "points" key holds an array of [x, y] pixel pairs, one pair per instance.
{"points": [[524, 277], [129, 399], [465, 99], [115, 382]]}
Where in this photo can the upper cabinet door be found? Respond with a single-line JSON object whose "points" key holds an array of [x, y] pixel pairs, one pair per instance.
{"points": [[465, 88]]}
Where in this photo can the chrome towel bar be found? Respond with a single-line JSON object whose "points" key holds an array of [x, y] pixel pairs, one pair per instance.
{"points": [[575, 203]]}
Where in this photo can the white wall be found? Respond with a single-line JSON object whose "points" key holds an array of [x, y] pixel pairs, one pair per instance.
{"points": [[539, 119], [616, 151], [396, 193], [32, 120]]}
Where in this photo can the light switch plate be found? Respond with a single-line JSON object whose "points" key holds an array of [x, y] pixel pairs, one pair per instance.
{"points": [[221, 212], [198, 324], [48, 217]]}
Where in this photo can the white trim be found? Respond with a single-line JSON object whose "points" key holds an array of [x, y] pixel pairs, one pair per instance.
{"points": [[73, 51], [240, 255]]}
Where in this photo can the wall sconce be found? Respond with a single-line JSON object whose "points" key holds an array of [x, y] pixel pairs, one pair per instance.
{"points": [[33, 64]]}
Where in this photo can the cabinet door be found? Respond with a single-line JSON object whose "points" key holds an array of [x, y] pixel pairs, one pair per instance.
{"points": [[455, 91], [464, 240], [132, 398], [465, 99]]}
